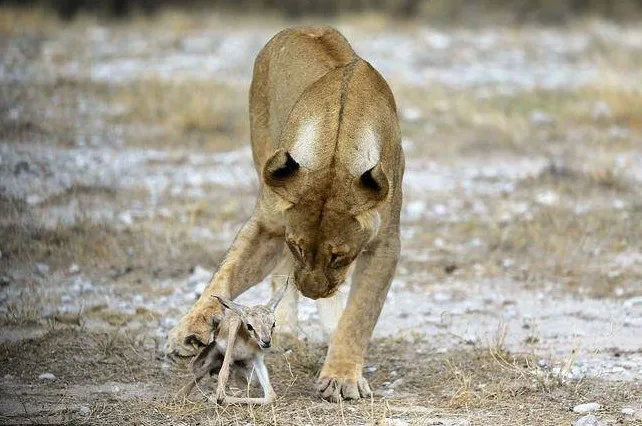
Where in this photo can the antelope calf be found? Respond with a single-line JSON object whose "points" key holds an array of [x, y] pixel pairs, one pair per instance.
{"points": [[237, 346]]}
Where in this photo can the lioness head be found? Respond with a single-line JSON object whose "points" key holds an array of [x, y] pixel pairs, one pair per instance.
{"points": [[329, 174]]}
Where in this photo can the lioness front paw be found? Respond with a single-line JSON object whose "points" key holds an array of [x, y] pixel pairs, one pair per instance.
{"points": [[191, 333], [336, 388]]}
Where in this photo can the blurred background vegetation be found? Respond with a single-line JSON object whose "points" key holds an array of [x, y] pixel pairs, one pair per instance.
{"points": [[514, 11]]}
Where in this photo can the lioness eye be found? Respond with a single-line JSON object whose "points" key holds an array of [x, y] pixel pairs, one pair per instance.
{"points": [[249, 327], [337, 260], [296, 250], [274, 324]]}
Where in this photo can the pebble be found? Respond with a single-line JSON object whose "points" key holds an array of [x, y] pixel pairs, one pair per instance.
{"points": [[396, 422], [84, 410], [589, 420], [547, 198], [42, 269], [370, 369], [629, 303], [586, 408], [126, 218], [47, 376], [397, 383], [541, 118], [601, 110], [628, 411], [74, 269]]}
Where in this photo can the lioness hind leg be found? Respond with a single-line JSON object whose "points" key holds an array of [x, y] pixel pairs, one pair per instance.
{"points": [[287, 312]]}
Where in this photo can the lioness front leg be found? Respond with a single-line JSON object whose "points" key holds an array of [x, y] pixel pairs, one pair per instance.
{"points": [[341, 376], [251, 257]]}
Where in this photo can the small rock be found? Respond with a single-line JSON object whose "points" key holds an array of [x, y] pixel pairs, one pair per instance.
{"points": [[542, 363], [547, 198], [396, 422], [388, 393], [601, 110], [541, 118], [74, 269], [586, 408], [42, 269], [47, 376], [633, 301], [370, 369], [628, 411], [397, 383], [589, 420], [84, 410], [33, 199], [126, 218]]}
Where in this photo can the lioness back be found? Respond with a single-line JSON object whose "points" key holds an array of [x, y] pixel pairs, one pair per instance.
{"points": [[288, 64]]}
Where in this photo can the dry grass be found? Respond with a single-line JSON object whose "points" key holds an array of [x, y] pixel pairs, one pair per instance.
{"points": [[206, 114], [472, 385]]}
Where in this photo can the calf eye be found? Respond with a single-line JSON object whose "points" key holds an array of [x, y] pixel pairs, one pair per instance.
{"points": [[249, 327]]}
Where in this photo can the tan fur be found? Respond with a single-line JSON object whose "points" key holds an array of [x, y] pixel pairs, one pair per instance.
{"points": [[328, 211]]}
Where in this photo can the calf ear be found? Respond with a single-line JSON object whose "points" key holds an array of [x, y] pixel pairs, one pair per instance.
{"points": [[278, 295], [372, 187], [234, 307]]}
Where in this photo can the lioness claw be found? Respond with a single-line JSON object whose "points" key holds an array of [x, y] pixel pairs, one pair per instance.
{"points": [[335, 389]]}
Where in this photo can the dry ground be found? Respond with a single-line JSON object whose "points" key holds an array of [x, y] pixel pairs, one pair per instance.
{"points": [[125, 172]]}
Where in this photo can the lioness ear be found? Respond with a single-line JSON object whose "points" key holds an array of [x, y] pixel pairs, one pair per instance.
{"points": [[280, 168], [373, 185]]}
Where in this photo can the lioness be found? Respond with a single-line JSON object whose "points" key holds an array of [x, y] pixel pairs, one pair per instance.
{"points": [[327, 147]]}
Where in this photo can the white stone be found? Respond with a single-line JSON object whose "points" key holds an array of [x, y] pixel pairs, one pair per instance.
{"points": [[589, 420], [42, 269], [629, 303], [586, 408], [541, 118], [628, 411], [397, 383], [126, 218], [47, 376], [74, 269], [547, 198], [396, 422], [84, 410], [601, 110]]}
